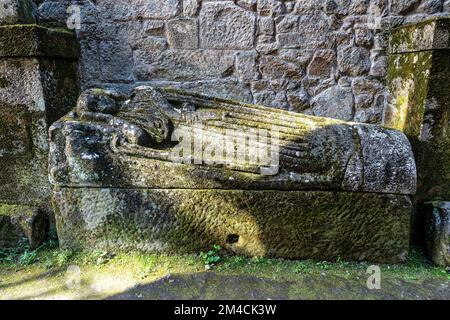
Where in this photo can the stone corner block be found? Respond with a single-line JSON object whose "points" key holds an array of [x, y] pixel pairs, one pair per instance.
{"points": [[426, 35], [38, 41]]}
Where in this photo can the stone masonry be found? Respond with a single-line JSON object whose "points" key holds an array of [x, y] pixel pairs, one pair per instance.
{"points": [[419, 82], [38, 85], [319, 57]]}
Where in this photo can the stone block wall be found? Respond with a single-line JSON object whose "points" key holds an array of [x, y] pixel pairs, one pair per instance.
{"points": [[320, 57]]}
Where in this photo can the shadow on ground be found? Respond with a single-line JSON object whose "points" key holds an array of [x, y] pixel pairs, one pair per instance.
{"points": [[209, 285]]}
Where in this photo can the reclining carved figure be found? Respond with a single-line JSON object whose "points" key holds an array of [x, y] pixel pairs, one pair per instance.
{"points": [[165, 170]]}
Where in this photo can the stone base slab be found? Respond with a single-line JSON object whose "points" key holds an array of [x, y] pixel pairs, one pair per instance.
{"points": [[271, 223]]}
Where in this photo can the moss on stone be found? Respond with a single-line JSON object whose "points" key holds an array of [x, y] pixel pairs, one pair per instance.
{"points": [[35, 40], [408, 78], [11, 210], [420, 85], [425, 35]]}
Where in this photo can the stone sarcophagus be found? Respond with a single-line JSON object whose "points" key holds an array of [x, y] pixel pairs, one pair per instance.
{"points": [[164, 170]]}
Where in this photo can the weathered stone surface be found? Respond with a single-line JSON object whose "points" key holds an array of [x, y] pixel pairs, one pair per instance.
{"points": [[430, 6], [402, 6], [322, 64], [273, 67], [246, 66], [353, 61], [16, 12], [155, 9], [22, 223], [420, 85], [312, 31], [437, 232], [37, 87], [34, 93], [270, 7], [15, 139], [224, 25], [247, 4], [383, 150], [225, 89], [427, 35], [146, 52], [190, 7], [38, 41], [336, 102], [266, 26], [363, 37], [288, 224], [182, 34], [185, 65], [112, 55], [408, 78], [299, 100]]}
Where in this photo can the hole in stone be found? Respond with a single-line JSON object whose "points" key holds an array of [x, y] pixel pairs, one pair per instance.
{"points": [[232, 238]]}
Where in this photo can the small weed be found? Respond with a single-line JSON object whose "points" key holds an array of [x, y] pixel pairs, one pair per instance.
{"points": [[301, 268], [410, 277], [259, 260], [52, 241], [323, 265], [239, 260], [212, 257], [103, 257], [63, 257], [27, 258], [8, 256]]}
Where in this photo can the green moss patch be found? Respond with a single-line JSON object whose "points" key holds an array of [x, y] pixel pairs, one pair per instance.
{"points": [[34, 40], [14, 210]]}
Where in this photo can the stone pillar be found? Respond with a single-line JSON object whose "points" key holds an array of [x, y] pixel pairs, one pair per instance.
{"points": [[419, 81], [38, 85]]}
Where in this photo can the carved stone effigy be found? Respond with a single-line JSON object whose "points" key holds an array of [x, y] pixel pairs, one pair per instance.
{"points": [[164, 170]]}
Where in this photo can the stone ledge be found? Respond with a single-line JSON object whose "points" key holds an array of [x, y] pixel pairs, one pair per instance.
{"points": [[37, 41], [433, 34]]}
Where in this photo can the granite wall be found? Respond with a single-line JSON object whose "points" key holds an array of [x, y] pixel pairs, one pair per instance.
{"points": [[320, 57]]}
